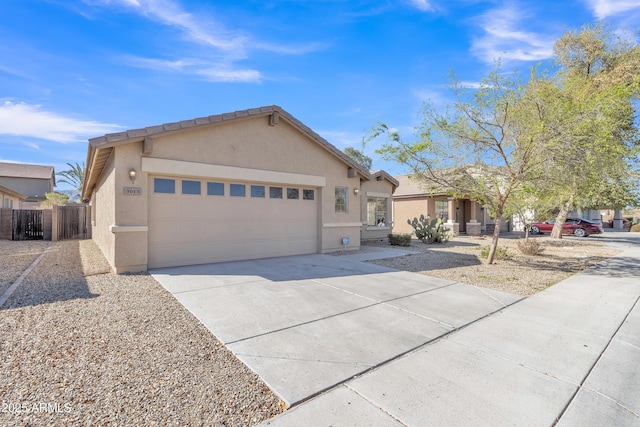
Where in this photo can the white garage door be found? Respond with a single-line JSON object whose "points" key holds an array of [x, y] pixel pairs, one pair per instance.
{"points": [[195, 221]]}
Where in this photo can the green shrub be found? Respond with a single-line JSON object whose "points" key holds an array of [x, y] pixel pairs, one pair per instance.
{"points": [[530, 247], [501, 253], [400, 239], [635, 228], [430, 231]]}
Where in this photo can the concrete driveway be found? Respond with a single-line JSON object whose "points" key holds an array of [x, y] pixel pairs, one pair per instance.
{"points": [[308, 323]]}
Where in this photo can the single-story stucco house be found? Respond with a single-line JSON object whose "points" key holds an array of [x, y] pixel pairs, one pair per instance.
{"points": [[250, 184], [34, 181], [10, 199], [462, 215]]}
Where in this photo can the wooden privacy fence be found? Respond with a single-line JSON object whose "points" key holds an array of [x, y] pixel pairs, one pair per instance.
{"points": [[58, 223], [27, 224], [72, 222]]}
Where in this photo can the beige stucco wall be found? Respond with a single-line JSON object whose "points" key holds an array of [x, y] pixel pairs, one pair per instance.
{"points": [[404, 209], [103, 212], [246, 143], [6, 199], [375, 188]]}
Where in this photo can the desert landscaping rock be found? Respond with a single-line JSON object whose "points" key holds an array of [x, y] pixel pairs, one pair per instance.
{"points": [[459, 260], [15, 257], [103, 349]]}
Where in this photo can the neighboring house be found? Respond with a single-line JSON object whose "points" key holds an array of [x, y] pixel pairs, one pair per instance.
{"points": [[464, 215], [34, 181], [10, 199], [376, 204], [250, 184]]}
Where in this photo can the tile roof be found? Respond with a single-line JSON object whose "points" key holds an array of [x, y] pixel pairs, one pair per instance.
{"points": [[108, 141], [21, 170], [184, 124], [409, 186]]}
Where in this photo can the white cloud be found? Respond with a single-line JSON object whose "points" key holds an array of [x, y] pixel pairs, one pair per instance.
{"points": [[505, 40], [605, 8], [204, 29], [438, 97], [423, 5], [342, 139], [22, 119], [470, 85], [225, 46], [200, 29], [216, 73], [230, 75]]}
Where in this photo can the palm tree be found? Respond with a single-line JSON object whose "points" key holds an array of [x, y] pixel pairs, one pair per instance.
{"points": [[73, 176]]}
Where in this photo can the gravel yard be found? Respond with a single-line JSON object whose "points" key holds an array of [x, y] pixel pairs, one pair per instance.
{"points": [[83, 346], [524, 275]]}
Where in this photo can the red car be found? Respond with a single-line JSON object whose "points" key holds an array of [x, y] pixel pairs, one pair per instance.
{"points": [[578, 226]]}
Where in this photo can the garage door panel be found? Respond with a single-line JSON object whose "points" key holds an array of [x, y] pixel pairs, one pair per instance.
{"points": [[192, 229]]}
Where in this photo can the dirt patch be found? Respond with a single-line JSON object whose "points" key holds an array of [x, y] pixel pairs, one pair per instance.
{"points": [[524, 275]]}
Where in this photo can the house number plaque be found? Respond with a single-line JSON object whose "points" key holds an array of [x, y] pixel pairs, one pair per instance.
{"points": [[132, 191]]}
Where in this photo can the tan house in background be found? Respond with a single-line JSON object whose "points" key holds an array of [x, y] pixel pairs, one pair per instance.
{"points": [[249, 184], [34, 181], [10, 199], [460, 215]]}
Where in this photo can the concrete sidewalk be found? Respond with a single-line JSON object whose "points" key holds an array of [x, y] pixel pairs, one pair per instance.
{"points": [[569, 355]]}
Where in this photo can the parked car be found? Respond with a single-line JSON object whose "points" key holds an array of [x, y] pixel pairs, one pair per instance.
{"points": [[578, 226]]}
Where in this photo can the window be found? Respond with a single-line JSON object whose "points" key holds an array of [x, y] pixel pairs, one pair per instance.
{"points": [[7, 203], [377, 211], [237, 190], [162, 185], [275, 192], [442, 209], [190, 187], [293, 193], [308, 195], [215, 189], [257, 191], [341, 200]]}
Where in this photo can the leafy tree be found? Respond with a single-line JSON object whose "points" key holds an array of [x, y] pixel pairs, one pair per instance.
{"points": [[74, 176], [56, 199], [359, 157], [485, 147], [589, 105]]}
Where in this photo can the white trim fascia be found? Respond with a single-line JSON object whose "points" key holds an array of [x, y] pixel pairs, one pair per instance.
{"points": [[128, 228], [231, 173], [374, 194], [341, 224]]}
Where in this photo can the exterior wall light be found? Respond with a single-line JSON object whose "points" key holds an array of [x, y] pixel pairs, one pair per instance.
{"points": [[132, 175], [356, 191]]}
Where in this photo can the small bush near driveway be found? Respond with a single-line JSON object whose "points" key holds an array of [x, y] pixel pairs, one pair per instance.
{"points": [[400, 239]]}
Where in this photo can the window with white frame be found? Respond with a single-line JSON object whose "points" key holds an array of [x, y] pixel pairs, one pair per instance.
{"points": [[442, 209], [341, 203], [377, 211]]}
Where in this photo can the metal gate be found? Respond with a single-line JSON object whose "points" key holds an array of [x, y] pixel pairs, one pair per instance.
{"points": [[72, 222], [27, 224]]}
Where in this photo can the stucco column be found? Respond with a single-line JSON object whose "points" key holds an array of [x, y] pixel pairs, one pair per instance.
{"points": [[474, 214], [618, 223], [451, 223], [473, 226]]}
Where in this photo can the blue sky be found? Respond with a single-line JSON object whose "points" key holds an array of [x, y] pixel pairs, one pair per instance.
{"points": [[75, 69]]}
